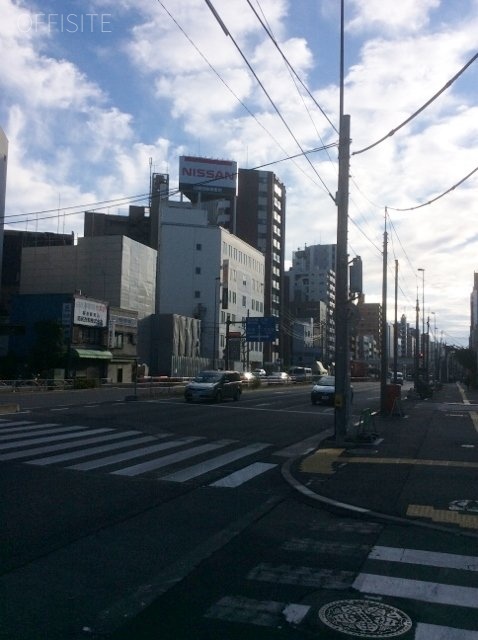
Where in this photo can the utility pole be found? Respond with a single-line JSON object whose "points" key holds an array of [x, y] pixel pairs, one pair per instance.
{"points": [[384, 345], [342, 359], [395, 328], [342, 346]]}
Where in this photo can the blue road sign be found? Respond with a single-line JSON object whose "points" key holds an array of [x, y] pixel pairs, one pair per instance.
{"points": [[261, 329]]}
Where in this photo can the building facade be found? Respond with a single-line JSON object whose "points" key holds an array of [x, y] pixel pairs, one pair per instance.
{"points": [[114, 269], [260, 220], [311, 282], [207, 273]]}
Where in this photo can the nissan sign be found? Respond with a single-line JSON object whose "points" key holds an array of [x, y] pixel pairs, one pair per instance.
{"points": [[204, 175]]}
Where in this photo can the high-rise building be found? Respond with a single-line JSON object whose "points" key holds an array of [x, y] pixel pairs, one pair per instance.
{"points": [[312, 281], [260, 220]]}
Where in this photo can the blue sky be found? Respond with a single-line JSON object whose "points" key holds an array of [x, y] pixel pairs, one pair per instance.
{"points": [[90, 90]]}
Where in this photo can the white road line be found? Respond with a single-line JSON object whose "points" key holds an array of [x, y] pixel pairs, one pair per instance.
{"points": [[417, 590], [263, 613], [164, 461], [14, 423], [84, 453], [28, 429], [300, 448], [302, 576], [137, 453], [54, 428], [29, 453], [243, 475], [437, 632], [12, 445], [214, 463], [427, 558]]}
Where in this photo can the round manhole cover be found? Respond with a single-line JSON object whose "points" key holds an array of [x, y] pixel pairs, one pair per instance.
{"points": [[365, 619]]}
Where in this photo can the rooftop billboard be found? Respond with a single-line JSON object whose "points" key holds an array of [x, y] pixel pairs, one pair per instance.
{"points": [[208, 176]]}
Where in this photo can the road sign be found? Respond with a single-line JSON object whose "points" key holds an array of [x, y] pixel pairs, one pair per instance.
{"points": [[261, 329]]}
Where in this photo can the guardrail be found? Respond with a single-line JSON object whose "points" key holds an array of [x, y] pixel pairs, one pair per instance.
{"points": [[35, 385]]}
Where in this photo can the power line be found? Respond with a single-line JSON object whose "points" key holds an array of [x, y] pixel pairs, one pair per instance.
{"points": [[284, 57], [274, 106], [422, 108], [419, 206]]}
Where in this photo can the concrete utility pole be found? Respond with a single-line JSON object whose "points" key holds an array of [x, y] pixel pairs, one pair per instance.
{"points": [[342, 364], [384, 341], [342, 346]]}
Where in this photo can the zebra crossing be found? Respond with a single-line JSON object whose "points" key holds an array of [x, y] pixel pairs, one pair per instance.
{"points": [[388, 591], [131, 453]]}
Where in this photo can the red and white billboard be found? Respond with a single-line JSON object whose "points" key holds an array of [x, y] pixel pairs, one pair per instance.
{"points": [[208, 176]]}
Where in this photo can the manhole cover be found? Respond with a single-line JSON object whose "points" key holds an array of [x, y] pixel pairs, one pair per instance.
{"points": [[365, 619]]}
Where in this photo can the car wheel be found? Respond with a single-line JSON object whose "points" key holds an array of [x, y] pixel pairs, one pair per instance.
{"points": [[236, 396], [218, 397], [314, 401]]}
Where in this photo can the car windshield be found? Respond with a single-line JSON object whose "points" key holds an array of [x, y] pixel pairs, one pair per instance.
{"points": [[326, 381], [208, 376]]}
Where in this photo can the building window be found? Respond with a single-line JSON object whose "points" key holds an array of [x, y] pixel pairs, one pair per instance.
{"points": [[198, 270], [198, 246], [197, 294]]}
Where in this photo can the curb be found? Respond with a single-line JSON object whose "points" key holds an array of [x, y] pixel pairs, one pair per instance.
{"points": [[354, 509]]}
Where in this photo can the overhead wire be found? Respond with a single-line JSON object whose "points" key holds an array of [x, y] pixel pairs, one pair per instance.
{"points": [[425, 204], [266, 93], [290, 67], [422, 108]]}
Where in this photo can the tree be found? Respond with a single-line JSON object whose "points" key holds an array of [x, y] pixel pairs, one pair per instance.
{"points": [[48, 351]]}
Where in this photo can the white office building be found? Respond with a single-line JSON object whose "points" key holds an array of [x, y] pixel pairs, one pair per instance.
{"points": [[208, 273]]}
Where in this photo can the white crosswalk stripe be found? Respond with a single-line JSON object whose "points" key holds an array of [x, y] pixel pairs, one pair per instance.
{"points": [[55, 444], [418, 585]]}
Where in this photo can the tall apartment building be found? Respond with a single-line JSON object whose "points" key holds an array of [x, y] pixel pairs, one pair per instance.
{"points": [[311, 288], [260, 218]]}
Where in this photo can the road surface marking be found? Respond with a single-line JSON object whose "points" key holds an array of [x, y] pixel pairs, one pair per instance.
{"points": [[323, 459], [60, 436], [437, 632], [54, 428], [443, 515], [417, 590], [263, 613], [29, 453], [243, 475], [214, 463], [164, 461], [84, 453], [136, 453], [427, 558]]}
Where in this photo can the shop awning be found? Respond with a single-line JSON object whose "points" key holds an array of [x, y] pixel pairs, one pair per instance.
{"points": [[93, 354]]}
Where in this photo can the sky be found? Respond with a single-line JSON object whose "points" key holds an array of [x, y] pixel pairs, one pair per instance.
{"points": [[96, 93]]}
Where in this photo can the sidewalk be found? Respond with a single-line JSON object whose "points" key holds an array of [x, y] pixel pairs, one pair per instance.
{"points": [[421, 467]]}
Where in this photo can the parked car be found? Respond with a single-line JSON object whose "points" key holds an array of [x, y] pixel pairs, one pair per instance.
{"points": [[214, 385], [323, 391], [278, 377]]}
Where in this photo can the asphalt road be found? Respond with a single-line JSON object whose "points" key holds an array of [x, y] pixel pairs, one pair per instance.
{"points": [[179, 511]]}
